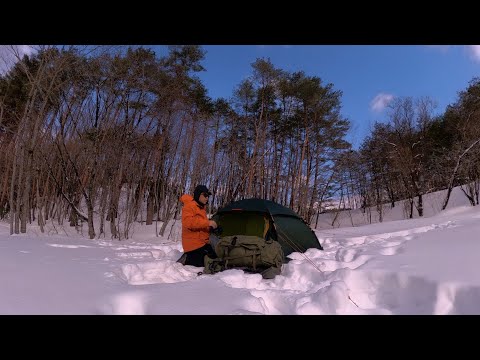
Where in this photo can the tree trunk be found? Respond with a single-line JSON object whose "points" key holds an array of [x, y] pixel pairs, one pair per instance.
{"points": [[103, 207], [91, 228], [20, 207], [420, 205], [40, 202], [26, 192], [454, 173]]}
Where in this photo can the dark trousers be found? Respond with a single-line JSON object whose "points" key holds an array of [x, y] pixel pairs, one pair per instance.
{"points": [[195, 257]]}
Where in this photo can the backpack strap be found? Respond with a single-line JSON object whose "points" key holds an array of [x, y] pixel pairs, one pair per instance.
{"points": [[228, 249]]}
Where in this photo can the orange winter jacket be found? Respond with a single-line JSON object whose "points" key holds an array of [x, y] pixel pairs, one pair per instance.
{"points": [[195, 225]]}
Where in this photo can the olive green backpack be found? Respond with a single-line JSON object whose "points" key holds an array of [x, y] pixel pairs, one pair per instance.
{"points": [[249, 253]]}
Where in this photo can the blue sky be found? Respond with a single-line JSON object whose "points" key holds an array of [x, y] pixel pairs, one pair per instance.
{"points": [[363, 73]]}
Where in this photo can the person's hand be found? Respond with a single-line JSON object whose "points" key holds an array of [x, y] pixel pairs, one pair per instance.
{"points": [[212, 224]]}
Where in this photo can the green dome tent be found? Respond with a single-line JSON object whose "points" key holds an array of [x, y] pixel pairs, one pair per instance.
{"points": [[260, 217]]}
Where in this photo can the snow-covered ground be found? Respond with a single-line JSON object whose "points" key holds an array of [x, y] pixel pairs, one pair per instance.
{"points": [[427, 265]]}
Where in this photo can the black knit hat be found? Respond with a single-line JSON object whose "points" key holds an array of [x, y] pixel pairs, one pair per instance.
{"points": [[199, 190]]}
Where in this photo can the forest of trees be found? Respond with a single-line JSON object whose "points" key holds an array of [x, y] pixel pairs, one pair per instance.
{"points": [[119, 134]]}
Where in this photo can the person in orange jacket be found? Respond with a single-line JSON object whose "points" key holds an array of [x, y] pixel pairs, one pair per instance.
{"points": [[196, 227]]}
